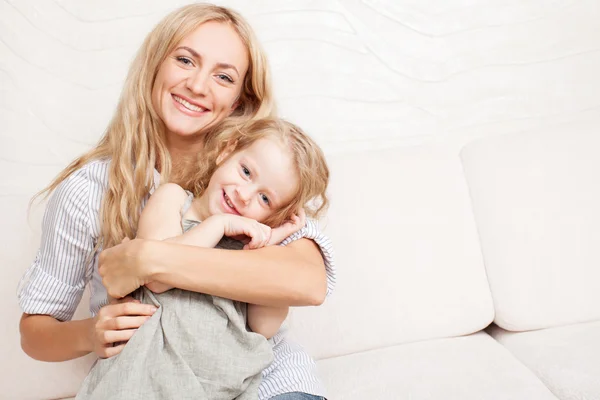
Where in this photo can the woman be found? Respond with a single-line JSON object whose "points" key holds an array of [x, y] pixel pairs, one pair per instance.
{"points": [[199, 68]]}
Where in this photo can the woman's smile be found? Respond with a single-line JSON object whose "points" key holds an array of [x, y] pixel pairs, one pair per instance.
{"points": [[188, 107]]}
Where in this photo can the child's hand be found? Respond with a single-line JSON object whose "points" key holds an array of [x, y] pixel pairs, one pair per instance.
{"points": [[293, 225], [251, 232]]}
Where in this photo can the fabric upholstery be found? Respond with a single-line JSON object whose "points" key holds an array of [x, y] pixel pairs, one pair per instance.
{"points": [[464, 368], [408, 256], [566, 359], [536, 200]]}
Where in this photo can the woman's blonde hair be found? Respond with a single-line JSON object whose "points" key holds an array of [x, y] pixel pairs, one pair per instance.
{"points": [[309, 160], [134, 140]]}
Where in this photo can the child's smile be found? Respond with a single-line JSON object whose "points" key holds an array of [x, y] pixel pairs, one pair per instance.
{"points": [[254, 182]]}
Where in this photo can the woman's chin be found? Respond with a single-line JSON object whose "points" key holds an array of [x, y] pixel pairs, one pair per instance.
{"points": [[184, 132]]}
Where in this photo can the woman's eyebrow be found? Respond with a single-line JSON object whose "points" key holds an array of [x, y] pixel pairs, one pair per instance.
{"points": [[198, 56]]}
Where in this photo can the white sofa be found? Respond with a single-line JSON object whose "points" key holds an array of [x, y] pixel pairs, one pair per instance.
{"points": [[433, 247]]}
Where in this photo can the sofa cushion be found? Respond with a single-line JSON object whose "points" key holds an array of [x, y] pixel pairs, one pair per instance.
{"points": [[566, 359], [407, 254], [465, 368], [536, 199]]}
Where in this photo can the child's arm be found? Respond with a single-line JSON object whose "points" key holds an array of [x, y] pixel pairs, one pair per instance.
{"points": [[161, 220]]}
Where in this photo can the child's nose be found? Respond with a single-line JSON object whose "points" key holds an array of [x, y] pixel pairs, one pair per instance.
{"points": [[243, 193]]}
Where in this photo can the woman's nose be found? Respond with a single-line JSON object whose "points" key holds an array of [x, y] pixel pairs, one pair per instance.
{"points": [[197, 83]]}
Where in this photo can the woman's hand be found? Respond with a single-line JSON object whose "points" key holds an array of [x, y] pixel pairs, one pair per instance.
{"points": [[122, 268], [116, 323]]}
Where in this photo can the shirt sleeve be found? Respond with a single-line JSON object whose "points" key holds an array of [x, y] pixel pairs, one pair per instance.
{"points": [[54, 283], [311, 231]]}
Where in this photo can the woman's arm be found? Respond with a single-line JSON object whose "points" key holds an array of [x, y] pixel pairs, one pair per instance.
{"points": [[58, 276], [45, 338], [276, 276], [281, 276]]}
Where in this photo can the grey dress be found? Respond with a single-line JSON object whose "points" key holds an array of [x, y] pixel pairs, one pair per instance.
{"points": [[195, 346]]}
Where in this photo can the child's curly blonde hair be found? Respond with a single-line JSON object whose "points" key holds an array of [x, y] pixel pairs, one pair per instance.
{"points": [[309, 160]]}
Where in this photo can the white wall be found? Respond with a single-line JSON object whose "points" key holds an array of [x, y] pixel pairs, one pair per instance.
{"points": [[355, 74]]}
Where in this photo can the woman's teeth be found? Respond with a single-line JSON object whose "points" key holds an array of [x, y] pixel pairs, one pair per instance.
{"points": [[187, 104]]}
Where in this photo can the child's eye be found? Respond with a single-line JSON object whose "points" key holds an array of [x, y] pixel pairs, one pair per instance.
{"points": [[246, 171], [264, 199]]}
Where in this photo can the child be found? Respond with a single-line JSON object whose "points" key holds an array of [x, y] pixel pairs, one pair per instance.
{"points": [[255, 178]]}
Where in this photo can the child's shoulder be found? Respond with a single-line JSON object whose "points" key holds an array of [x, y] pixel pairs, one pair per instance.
{"points": [[171, 192], [171, 189], [177, 197]]}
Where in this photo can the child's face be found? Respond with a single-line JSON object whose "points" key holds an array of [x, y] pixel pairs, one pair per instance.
{"points": [[254, 182]]}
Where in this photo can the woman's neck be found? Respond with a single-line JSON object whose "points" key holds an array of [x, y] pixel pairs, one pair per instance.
{"points": [[184, 155], [184, 147]]}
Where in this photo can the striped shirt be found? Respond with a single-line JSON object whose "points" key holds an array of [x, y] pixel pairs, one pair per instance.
{"points": [[66, 262]]}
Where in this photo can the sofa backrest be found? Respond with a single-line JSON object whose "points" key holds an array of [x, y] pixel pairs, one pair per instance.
{"points": [[407, 253], [536, 198]]}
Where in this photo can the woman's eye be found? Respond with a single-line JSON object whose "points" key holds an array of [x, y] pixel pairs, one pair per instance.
{"points": [[246, 171], [264, 199], [224, 77], [184, 60]]}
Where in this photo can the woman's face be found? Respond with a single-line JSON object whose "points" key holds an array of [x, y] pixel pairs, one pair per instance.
{"points": [[199, 83]]}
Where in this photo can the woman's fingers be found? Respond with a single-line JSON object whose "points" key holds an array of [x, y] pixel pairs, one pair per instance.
{"points": [[116, 323], [110, 337], [120, 323], [127, 308], [110, 351], [131, 308]]}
